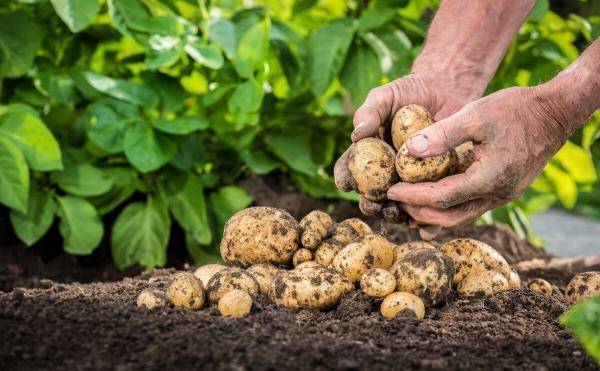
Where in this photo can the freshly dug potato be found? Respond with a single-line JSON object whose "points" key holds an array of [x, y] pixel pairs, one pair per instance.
{"points": [[407, 121], [264, 275], [327, 251], [359, 226], [403, 249], [583, 286], [430, 169], [301, 256], [344, 233], [152, 298], [186, 291], [260, 235], [205, 272], [378, 283], [315, 227], [426, 273], [482, 283], [362, 254], [540, 285], [230, 279], [235, 303], [403, 303], [371, 163], [469, 255], [514, 280], [465, 154], [309, 286]]}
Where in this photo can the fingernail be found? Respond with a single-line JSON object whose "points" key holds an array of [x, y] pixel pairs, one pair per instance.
{"points": [[404, 150], [358, 127], [420, 143]]}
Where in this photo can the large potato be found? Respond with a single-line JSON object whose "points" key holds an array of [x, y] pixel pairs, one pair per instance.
{"points": [[403, 249], [260, 235], [371, 163], [469, 255], [362, 254], [310, 285], [377, 283], [403, 303], [426, 273], [429, 169], [407, 121], [186, 291], [230, 279], [327, 251], [583, 286], [235, 303], [264, 275], [315, 227], [482, 283], [344, 233], [205, 272], [359, 226]]}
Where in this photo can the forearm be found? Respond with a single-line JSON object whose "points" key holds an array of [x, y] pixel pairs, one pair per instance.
{"points": [[467, 41]]}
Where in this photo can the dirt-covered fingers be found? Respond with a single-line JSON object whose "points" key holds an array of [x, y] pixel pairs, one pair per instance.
{"points": [[373, 113], [459, 215]]}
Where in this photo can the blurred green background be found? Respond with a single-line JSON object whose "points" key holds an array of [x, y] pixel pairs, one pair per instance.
{"points": [[119, 118]]}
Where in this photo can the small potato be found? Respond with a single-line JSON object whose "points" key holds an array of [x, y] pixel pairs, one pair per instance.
{"points": [[430, 169], [359, 226], [260, 235], [362, 254], [301, 256], [327, 251], [230, 279], [378, 283], [465, 157], [540, 285], [186, 291], [235, 303], [371, 163], [309, 265], [482, 283], [344, 233], [469, 255], [264, 275], [407, 121], [514, 280], [404, 303], [152, 298], [315, 227], [426, 273], [403, 249], [205, 272], [583, 286]]}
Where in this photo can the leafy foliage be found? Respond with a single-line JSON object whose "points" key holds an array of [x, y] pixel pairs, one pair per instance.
{"points": [[584, 321]]}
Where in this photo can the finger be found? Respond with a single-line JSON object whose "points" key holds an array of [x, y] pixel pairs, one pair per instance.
{"points": [[393, 214], [373, 112], [341, 175], [429, 232], [369, 208], [459, 215]]}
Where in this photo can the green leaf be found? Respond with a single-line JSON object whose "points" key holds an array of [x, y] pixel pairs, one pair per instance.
{"points": [[202, 254], [361, 73], [247, 97], [146, 149], [141, 233], [82, 180], [375, 17], [564, 185], [222, 32], [131, 14], [14, 176], [327, 48], [77, 14], [172, 94], [181, 125], [259, 161], [34, 139], [294, 150], [584, 321], [252, 49], [107, 121], [539, 10], [80, 225], [207, 55], [225, 202], [20, 38], [189, 209], [54, 84], [139, 95], [125, 183], [31, 225], [577, 162], [393, 49], [321, 185]]}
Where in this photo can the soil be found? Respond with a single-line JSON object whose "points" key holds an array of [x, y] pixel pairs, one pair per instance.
{"points": [[48, 320]]}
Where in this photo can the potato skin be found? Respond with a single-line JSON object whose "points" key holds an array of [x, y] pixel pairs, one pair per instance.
{"points": [[230, 279], [430, 169], [301, 256], [583, 286], [362, 254], [260, 235], [186, 291], [327, 251], [205, 272], [152, 298], [359, 226], [235, 303], [540, 285], [469, 255], [378, 283], [465, 156], [264, 275], [315, 227], [482, 283], [371, 163], [426, 273], [402, 302], [407, 121], [344, 233], [403, 249], [514, 280]]}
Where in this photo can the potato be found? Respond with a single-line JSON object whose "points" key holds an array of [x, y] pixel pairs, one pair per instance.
{"points": [[583, 286], [260, 235], [404, 303], [264, 274], [403, 249], [186, 291], [482, 283], [362, 254], [469, 255], [377, 283], [465, 155], [301, 256], [315, 227], [152, 298], [514, 280], [540, 285], [310, 285], [205, 272], [429, 169], [327, 251], [344, 233], [426, 273], [407, 121], [235, 303], [359, 226], [230, 279], [371, 163]]}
